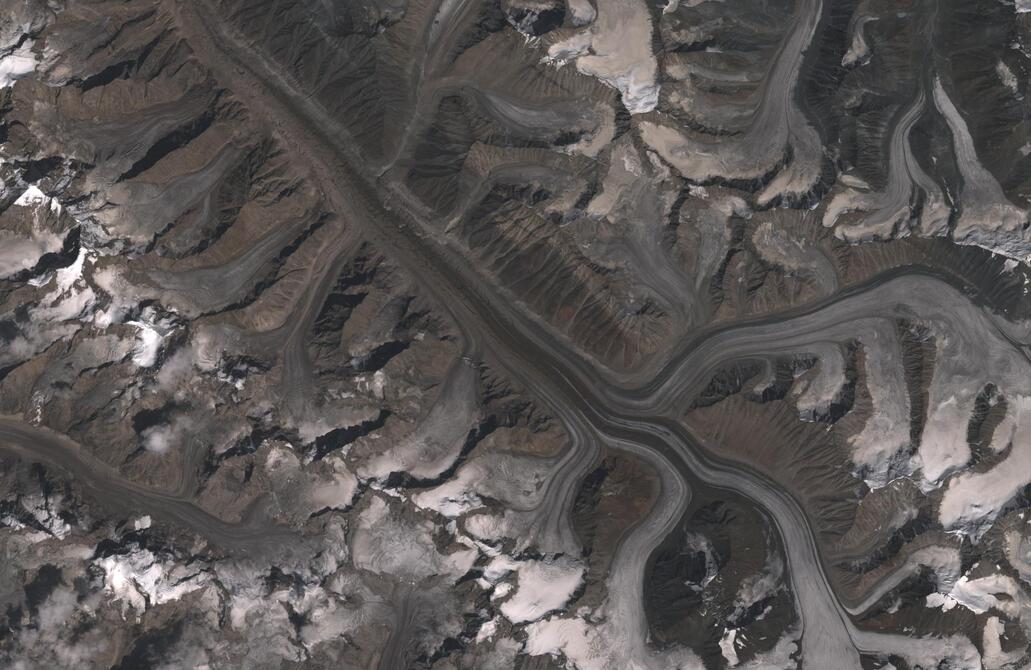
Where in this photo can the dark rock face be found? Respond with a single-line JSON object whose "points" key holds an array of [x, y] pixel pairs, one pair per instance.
{"points": [[515, 333]]}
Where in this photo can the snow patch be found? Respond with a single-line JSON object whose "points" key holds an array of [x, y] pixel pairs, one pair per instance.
{"points": [[616, 49], [589, 646], [150, 336], [385, 541], [982, 594], [31, 196], [727, 646], [17, 64], [973, 500], [139, 580], [544, 586], [46, 514], [1009, 80]]}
